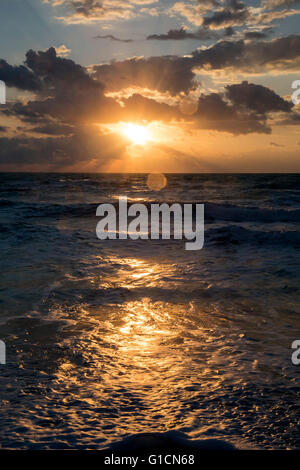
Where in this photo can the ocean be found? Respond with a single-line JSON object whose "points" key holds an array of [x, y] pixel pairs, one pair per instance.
{"points": [[108, 339]]}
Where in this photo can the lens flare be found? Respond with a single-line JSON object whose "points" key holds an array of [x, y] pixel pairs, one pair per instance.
{"points": [[156, 181]]}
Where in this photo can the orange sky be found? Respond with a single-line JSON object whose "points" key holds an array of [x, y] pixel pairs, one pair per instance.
{"points": [[151, 86]]}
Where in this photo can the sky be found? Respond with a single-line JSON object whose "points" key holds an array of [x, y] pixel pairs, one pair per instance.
{"points": [[150, 86]]}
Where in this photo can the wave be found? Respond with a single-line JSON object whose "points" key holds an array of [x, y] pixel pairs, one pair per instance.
{"points": [[170, 441], [239, 235], [250, 214], [228, 212]]}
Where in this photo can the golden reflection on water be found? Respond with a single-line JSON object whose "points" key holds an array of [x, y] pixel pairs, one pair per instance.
{"points": [[131, 273], [146, 332], [139, 354]]}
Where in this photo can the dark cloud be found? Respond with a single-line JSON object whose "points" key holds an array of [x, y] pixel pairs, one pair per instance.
{"points": [[165, 74], [254, 35], [19, 77], [241, 109], [226, 13], [70, 97], [234, 15], [42, 113], [209, 3], [66, 92], [257, 98], [175, 74], [280, 53], [25, 111], [113, 38], [66, 82], [86, 8], [229, 31], [182, 33], [46, 73], [292, 119], [58, 153], [58, 73], [53, 128], [86, 11], [84, 108], [258, 34], [217, 114], [138, 107]]}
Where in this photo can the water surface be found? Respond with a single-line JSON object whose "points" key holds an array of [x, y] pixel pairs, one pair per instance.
{"points": [[110, 338]]}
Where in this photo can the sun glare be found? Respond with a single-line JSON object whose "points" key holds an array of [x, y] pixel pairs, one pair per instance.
{"points": [[139, 135]]}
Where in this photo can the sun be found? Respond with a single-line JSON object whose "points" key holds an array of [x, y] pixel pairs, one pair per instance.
{"points": [[139, 135]]}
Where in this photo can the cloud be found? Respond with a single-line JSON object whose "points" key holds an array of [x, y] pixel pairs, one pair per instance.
{"points": [[84, 107], [229, 31], [230, 13], [171, 74], [259, 16], [59, 153], [254, 56], [258, 33], [182, 33], [113, 38], [62, 50], [61, 125], [191, 11], [214, 14], [257, 98], [217, 114], [66, 88], [58, 73], [174, 74], [292, 119], [64, 91], [90, 11], [66, 112], [138, 107], [241, 109], [233, 15], [19, 77], [68, 92], [53, 128], [69, 97]]}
